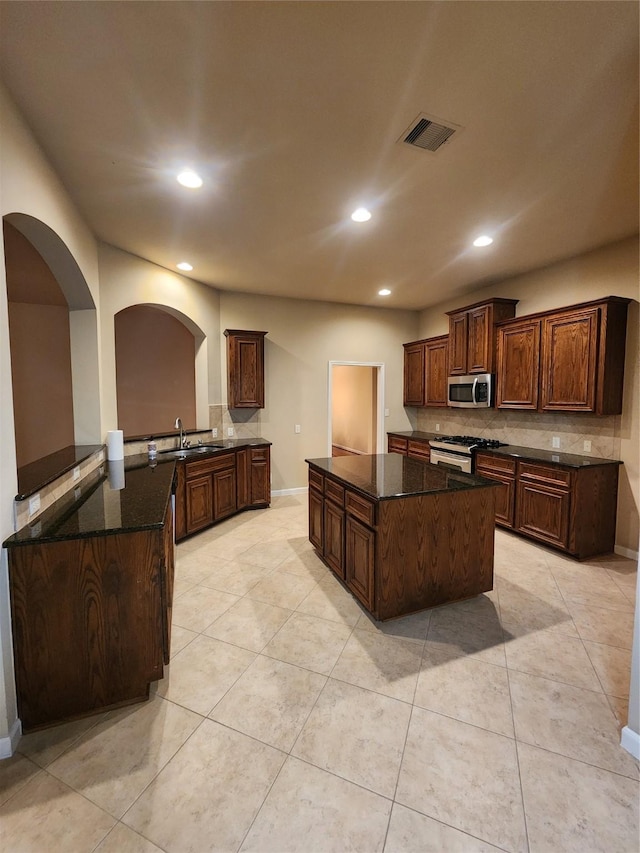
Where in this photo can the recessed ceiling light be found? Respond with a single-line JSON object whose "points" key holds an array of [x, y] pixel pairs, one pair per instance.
{"points": [[483, 241], [188, 178], [361, 215], [384, 292], [184, 266]]}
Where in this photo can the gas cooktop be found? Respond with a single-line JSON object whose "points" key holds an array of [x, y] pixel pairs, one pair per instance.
{"points": [[465, 443]]}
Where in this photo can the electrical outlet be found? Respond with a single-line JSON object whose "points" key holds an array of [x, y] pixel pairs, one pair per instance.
{"points": [[296, 429], [214, 432], [230, 432], [587, 447], [76, 472], [386, 413], [555, 442], [437, 427], [34, 505]]}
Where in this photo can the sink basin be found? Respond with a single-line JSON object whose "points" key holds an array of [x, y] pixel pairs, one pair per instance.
{"points": [[183, 452]]}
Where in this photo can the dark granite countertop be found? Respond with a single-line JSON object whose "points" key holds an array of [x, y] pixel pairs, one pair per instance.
{"points": [[35, 475], [119, 498], [188, 454], [416, 434], [391, 475]]}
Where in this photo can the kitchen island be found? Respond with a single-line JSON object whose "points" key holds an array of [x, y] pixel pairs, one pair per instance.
{"points": [[401, 534]]}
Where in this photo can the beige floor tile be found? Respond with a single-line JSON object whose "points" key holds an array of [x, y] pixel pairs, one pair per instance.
{"points": [[231, 546], [207, 797], [542, 654], [412, 832], [46, 745], [306, 564], [200, 606], [592, 590], [570, 721], [268, 555], [613, 667], [309, 642], [180, 638], [524, 612], [601, 625], [234, 577], [522, 577], [331, 601], [249, 624], [282, 590], [467, 689], [194, 566], [356, 734], [201, 674], [15, 772], [115, 761], [413, 627], [577, 807], [469, 628], [386, 665], [47, 815], [121, 839], [311, 811], [270, 702], [620, 708], [465, 777]]}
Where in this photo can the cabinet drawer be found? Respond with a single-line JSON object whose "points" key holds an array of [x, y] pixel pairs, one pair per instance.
{"points": [[207, 466], [360, 507], [334, 491], [547, 474], [259, 454], [499, 464], [396, 444], [316, 480], [419, 450]]}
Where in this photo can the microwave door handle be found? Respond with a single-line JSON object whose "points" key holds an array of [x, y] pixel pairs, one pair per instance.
{"points": [[473, 391]]}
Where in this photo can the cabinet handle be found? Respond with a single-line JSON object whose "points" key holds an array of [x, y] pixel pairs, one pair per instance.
{"points": [[473, 390]]}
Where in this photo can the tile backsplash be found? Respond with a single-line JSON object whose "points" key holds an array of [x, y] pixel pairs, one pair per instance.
{"points": [[530, 429]]}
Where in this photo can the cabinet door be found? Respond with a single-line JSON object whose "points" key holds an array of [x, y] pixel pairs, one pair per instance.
{"points": [[245, 369], [260, 476], [518, 365], [543, 512], [397, 444], [414, 374], [360, 561], [503, 471], [168, 571], [243, 482], [569, 350], [436, 369], [419, 450], [199, 502], [334, 537], [315, 519], [224, 493], [480, 340], [458, 337]]}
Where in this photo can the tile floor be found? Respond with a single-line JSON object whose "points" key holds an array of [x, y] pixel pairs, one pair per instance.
{"points": [[290, 721]]}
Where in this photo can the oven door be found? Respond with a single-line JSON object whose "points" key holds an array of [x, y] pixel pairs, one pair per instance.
{"points": [[452, 460]]}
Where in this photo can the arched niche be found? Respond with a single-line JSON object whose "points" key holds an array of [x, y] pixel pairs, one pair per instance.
{"points": [[47, 291], [157, 350]]}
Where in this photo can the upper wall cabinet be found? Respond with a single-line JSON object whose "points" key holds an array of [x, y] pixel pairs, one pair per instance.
{"points": [[472, 335], [425, 372], [245, 369], [568, 360]]}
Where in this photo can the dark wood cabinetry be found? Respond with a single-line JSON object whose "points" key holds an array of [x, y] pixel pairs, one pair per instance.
{"points": [[503, 471], [425, 372], [397, 444], [91, 621], [360, 561], [415, 448], [472, 335], [568, 360], [543, 503], [245, 369]]}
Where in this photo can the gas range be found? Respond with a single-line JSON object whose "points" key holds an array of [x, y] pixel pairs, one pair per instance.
{"points": [[464, 443]]}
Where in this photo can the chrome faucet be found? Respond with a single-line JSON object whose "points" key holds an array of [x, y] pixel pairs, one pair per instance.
{"points": [[178, 425]]}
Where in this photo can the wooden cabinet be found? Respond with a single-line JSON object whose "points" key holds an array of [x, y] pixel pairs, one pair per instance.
{"points": [[501, 470], [243, 482], [260, 469], [568, 360], [425, 372], [472, 335], [360, 561], [543, 503], [199, 502], [245, 369], [419, 450], [397, 444], [91, 620]]}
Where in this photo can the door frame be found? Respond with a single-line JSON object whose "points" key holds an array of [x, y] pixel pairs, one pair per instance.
{"points": [[379, 365]]}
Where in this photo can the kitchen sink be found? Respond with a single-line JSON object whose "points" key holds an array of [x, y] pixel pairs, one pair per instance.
{"points": [[183, 452]]}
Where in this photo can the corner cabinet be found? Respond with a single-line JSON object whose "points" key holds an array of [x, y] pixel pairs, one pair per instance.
{"points": [[567, 360], [425, 372], [472, 335], [245, 369]]}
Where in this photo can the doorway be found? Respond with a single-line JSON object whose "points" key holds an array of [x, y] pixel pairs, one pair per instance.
{"points": [[356, 408]]}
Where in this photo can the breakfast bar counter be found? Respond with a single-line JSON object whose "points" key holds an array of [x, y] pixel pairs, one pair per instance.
{"points": [[401, 534]]}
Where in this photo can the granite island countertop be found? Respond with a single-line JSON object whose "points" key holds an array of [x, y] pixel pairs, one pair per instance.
{"points": [[390, 475]]}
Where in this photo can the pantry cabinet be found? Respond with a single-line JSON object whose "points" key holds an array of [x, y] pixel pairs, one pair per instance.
{"points": [[425, 372], [245, 369], [472, 335]]}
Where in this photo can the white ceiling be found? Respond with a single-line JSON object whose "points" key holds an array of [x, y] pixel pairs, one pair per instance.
{"points": [[292, 113]]}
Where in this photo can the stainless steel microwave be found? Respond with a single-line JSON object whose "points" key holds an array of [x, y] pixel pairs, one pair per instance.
{"points": [[471, 392]]}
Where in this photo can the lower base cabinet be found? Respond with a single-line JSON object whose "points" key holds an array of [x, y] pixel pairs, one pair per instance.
{"points": [[360, 561], [501, 470]]}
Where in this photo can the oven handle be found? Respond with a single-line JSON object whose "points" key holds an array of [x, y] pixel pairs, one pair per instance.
{"points": [[473, 391]]}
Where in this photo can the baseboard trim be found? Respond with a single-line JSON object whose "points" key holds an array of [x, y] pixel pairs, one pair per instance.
{"points": [[626, 552], [279, 492], [630, 741], [9, 744]]}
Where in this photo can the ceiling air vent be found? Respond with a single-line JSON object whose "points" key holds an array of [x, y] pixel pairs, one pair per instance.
{"points": [[429, 132]]}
